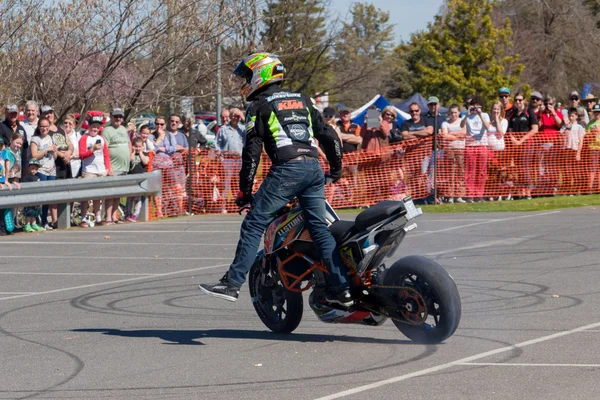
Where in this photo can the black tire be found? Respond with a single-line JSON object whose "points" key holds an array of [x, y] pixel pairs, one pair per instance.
{"points": [[279, 309], [439, 291]]}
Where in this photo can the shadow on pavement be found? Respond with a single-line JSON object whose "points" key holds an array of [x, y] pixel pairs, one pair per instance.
{"points": [[190, 337]]}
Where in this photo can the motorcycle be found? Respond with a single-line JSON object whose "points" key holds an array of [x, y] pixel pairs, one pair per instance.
{"points": [[416, 293]]}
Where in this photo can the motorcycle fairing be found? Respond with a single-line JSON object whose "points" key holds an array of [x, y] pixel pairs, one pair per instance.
{"points": [[335, 315], [270, 233], [289, 230], [351, 255]]}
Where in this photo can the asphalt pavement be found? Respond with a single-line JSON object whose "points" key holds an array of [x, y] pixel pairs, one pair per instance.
{"points": [[115, 313]]}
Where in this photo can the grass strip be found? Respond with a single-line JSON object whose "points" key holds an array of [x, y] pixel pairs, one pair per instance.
{"points": [[535, 204]]}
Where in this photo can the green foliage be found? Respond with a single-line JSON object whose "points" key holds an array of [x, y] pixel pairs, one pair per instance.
{"points": [[537, 204], [368, 36], [594, 6], [462, 52], [362, 54], [295, 30]]}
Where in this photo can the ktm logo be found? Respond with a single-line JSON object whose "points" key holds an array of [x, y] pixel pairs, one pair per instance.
{"points": [[290, 105]]}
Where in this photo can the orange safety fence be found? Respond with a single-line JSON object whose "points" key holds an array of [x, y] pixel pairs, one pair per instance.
{"points": [[206, 181]]}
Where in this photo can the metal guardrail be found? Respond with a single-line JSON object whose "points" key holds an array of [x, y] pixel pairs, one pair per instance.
{"points": [[64, 192]]}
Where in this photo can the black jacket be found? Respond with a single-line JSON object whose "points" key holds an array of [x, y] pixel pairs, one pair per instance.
{"points": [[6, 133], [285, 124]]}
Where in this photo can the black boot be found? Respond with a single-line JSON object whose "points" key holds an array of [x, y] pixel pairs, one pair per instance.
{"points": [[339, 296], [223, 290]]}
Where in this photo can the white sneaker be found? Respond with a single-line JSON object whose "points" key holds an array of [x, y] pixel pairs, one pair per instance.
{"points": [[499, 198], [48, 227], [450, 200], [460, 200]]}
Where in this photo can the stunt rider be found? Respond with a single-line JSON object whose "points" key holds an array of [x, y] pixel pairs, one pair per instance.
{"points": [[287, 124]]}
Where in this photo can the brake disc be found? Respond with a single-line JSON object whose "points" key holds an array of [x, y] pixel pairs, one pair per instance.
{"points": [[413, 309]]}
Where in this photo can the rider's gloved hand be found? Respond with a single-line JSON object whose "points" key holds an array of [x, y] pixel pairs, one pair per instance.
{"points": [[243, 199], [333, 176]]}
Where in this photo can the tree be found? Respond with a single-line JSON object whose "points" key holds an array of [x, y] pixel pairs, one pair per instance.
{"points": [[14, 21], [362, 55], [296, 31], [137, 54], [558, 42], [594, 6], [462, 52]]}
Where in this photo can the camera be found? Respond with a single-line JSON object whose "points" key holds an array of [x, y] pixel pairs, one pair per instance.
{"points": [[98, 141], [473, 109]]}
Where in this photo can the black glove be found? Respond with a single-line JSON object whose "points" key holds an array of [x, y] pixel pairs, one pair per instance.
{"points": [[243, 199], [334, 176]]}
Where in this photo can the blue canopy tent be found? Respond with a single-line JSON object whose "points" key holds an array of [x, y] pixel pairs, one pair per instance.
{"points": [[421, 101], [379, 102]]}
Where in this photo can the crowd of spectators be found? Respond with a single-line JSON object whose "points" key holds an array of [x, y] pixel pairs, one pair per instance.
{"points": [[511, 149], [40, 149], [515, 148]]}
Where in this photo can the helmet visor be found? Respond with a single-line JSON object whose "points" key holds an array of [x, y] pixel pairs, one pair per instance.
{"points": [[243, 71]]}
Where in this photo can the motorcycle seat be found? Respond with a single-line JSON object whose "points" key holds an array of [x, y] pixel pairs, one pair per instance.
{"points": [[340, 228], [379, 212]]}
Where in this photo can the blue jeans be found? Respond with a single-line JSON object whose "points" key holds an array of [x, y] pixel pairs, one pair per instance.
{"points": [[298, 178], [45, 206]]}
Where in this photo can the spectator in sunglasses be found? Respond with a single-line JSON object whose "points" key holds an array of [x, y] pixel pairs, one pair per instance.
{"points": [[416, 126], [582, 114], [507, 105], [535, 104], [589, 101], [523, 125]]}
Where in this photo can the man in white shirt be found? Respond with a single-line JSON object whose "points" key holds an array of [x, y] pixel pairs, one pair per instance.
{"points": [[32, 112]]}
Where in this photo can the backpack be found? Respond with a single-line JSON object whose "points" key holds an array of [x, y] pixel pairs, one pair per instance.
{"points": [[9, 223]]}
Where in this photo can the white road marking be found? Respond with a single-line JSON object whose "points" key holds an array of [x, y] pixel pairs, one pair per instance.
{"points": [[457, 219], [197, 222], [148, 231], [503, 242], [112, 243], [529, 365], [109, 242], [4, 293], [451, 364], [113, 282], [159, 258], [74, 273], [489, 221]]}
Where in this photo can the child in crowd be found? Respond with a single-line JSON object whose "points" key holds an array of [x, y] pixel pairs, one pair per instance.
{"points": [[95, 163], [12, 160], [4, 230], [572, 171], [2, 170], [32, 213], [138, 165], [398, 189]]}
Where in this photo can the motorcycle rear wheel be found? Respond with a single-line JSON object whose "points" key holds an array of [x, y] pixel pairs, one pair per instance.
{"points": [[438, 291], [279, 309]]}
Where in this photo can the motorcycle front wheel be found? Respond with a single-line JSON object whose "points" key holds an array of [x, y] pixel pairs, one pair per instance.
{"points": [[429, 303], [279, 309]]}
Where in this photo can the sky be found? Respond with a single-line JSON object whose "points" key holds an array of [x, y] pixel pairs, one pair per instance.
{"points": [[408, 16]]}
